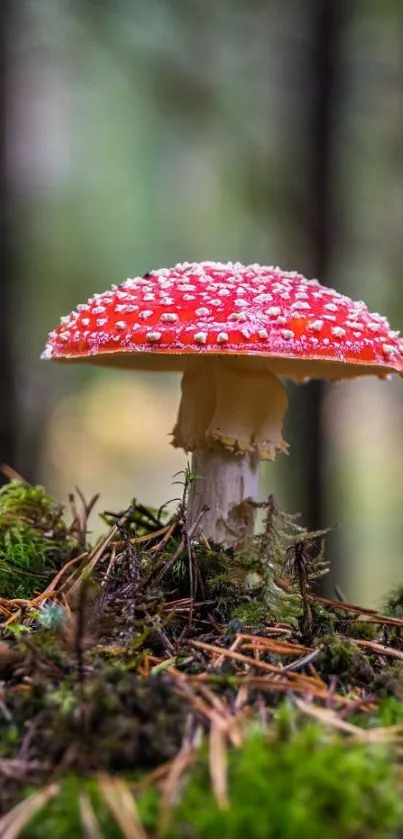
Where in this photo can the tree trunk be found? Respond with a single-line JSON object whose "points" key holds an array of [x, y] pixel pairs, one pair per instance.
{"points": [[323, 90], [8, 406]]}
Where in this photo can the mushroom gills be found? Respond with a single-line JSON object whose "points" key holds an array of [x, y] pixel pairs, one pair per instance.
{"points": [[231, 404]]}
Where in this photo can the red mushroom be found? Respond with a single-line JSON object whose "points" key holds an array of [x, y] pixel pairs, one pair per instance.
{"points": [[233, 330]]}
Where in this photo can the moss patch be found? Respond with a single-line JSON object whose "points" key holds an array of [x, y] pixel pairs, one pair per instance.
{"points": [[34, 539], [271, 780]]}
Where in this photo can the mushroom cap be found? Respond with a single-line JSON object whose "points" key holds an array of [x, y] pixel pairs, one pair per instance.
{"points": [[296, 327]]}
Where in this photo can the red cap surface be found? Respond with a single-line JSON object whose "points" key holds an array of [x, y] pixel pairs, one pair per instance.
{"points": [[227, 308]]}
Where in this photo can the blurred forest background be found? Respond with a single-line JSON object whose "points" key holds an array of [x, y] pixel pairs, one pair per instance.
{"points": [[139, 133]]}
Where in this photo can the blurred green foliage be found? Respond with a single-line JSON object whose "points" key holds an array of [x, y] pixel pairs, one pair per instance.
{"points": [[300, 781]]}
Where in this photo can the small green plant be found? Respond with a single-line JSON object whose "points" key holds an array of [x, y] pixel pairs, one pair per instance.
{"points": [[51, 616]]}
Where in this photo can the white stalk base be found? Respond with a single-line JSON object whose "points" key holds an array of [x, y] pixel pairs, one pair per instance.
{"points": [[225, 484]]}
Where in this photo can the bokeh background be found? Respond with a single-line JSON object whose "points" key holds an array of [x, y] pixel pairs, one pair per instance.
{"points": [[139, 133]]}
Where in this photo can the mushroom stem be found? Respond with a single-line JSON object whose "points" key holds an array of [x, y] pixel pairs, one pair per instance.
{"points": [[230, 417], [225, 484]]}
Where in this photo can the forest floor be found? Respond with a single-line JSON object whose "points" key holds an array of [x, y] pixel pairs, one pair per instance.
{"points": [[156, 685]]}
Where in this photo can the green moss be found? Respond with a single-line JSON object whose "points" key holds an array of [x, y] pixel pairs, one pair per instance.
{"points": [[293, 783], [389, 682], [110, 722], [387, 713], [341, 657], [393, 605], [390, 712], [362, 629], [61, 819], [34, 540], [249, 613], [323, 622], [300, 787]]}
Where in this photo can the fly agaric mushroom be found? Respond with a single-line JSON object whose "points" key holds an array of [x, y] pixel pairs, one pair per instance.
{"points": [[233, 330]]}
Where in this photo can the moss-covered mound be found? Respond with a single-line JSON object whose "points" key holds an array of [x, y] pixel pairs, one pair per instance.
{"points": [[154, 685]]}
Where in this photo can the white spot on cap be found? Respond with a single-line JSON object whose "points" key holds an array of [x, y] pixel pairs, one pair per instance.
{"points": [[146, 313], [101, 321], [202, 311], [241, 304], [273, 311], [222, 337], [263, 334], [99, 310], [240, 317], [120, 324], [200, 337], [85, 321], [331, 307], [374, 327], [169, 317], [353, 324], [153, 336], [316, 325], [149, 297], [263, 298], [300, 304], [388, 349], [338, 331], [287, 334]]}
